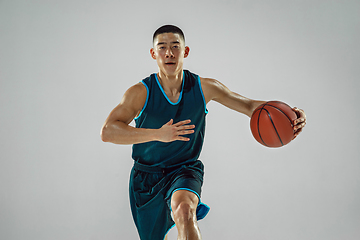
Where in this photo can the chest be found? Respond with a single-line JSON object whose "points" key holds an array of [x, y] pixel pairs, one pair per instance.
{"points": [[173, 98]]}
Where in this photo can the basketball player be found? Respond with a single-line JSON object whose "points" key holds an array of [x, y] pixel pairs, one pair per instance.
{"points": [[169, 109]]}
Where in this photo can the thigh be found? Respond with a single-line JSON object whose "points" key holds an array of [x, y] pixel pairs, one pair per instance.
{"points": [[150, 211], [186, 185]]}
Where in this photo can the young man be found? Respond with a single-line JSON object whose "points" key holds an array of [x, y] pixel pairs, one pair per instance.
{"points": [[169, 109]]}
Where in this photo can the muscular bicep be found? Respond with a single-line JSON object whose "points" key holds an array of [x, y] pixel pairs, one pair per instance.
{"points": [[130, 105], [215, 90]]}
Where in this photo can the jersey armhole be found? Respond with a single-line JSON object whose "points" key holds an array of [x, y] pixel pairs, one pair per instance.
{"points": [[202, 94], [147, 98]]}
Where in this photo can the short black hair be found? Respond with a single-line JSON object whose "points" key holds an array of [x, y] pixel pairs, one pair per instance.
{"points": [[168, 29]]}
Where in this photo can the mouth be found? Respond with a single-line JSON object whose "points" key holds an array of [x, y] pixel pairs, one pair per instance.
{"points": [[170, 63]]}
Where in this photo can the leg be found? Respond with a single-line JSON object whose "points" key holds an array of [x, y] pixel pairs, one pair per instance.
{"points": [[183, 204], [150, 212]]}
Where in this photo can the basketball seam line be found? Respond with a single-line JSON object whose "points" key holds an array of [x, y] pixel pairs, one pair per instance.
{"points": [[259, 124], [282, 112], [258, 120], [274, 127]]}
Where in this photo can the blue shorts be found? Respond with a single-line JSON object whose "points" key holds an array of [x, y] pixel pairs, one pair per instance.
{"points": [[150, 196]]}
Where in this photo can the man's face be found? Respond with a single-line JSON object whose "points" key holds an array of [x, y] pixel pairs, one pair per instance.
{"points": [[169, 52]]}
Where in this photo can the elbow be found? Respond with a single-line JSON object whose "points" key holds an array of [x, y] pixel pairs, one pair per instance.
{"points": [[249, 109], [253, 106], [104, 134]]}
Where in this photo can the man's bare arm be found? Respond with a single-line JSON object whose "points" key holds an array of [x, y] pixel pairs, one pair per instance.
{"points": [[215, 90], [116, 128]]}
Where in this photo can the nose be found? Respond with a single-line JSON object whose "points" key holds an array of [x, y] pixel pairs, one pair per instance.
{"points": [[169, 53]]}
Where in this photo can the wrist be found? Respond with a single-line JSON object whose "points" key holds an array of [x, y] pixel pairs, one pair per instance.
{"points": [[154, 134]]}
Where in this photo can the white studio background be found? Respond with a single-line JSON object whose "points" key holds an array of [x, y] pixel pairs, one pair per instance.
{"points": [[64, 65]]}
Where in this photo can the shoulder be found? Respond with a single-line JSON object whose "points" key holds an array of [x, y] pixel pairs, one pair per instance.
{"points": [[135, 97], [137, 90], [131, 104], [212, 88], [209, 82]]}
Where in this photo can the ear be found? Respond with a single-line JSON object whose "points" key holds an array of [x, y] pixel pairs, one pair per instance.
{"points": [[187, 50], [152, 53]]}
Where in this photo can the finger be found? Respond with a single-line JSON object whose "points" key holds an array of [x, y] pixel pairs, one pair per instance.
{"points": [[297, 133], [299, 120], [299, 126], [183, 139], [300, 112], [186, 132], [186, 127], [169, 122], [178, 124], [296, 110]]}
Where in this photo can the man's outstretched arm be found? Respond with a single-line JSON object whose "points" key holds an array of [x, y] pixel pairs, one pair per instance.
{"points": [[116, 128], [215, 90]]}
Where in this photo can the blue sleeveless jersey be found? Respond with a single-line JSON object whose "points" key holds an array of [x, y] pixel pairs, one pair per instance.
{"points": [[158, 110]]}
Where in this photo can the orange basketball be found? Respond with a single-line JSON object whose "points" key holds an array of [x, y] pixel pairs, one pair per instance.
{"points": [[272, 124]]}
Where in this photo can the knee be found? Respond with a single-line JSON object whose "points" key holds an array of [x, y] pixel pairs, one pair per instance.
{"points": [[184, 212]]}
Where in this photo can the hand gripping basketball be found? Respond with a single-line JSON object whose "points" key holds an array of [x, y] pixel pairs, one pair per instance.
{"points": [[300, 122], [275, 124]]}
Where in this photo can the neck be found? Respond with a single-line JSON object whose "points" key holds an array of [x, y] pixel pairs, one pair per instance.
{"points": [[171, 83]]}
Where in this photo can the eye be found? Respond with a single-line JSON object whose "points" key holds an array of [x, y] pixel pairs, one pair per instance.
{"points": [[175, 46]]}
